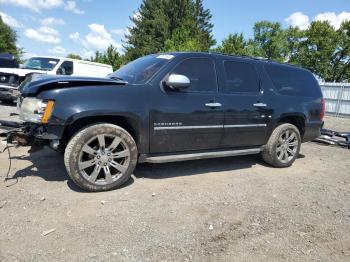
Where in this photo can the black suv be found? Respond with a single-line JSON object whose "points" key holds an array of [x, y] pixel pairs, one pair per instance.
{"points": [[171, 107]]}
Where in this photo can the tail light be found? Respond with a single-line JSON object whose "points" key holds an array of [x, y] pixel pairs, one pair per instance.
{"points": [[323, 109]]}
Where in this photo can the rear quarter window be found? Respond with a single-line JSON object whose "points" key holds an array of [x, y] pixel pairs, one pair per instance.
{"points": [[293, 81]]}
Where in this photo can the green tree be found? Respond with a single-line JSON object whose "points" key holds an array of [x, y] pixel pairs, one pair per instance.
{"points": [[234, 44], [74, 56], [109, 57], [270, 41], [160, 21], [204, 26], [341, 57], [182, 40], [8, 39], [318, 50], [294, 37]]}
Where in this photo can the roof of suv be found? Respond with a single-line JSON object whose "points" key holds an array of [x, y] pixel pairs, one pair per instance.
{"points": [[255, 59]]}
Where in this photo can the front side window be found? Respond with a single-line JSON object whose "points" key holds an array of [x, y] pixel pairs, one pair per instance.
{"points": [[40, 63], [66, 68], [240, 77], [200, 71]]}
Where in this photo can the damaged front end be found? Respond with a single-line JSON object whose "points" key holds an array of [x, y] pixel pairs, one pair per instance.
{"points": [[26, 134]]}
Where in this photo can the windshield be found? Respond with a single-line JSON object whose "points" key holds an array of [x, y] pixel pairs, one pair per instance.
{"points": [[142, 69], [40, 63]]}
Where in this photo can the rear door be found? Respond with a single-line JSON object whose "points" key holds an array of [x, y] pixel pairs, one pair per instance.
{"points": [[190, 119], [247, 115]]}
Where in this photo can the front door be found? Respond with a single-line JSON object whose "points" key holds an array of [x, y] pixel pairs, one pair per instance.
{"points": [[247, 115], [190, 119]]}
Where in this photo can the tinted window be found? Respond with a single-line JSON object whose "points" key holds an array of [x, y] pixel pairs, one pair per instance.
{"points": [[66, 68], [142, 69], [293, 81], [200, 71], [240, 77]]}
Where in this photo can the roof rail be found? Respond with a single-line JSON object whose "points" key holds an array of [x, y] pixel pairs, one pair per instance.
{"points": [[241, 56]]}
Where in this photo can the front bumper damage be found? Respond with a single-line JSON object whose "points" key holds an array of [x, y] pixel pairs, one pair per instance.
{"points": [[8, 93], [26, 134]]}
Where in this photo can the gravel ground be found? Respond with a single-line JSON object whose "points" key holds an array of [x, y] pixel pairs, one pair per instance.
{"points": [[230, 209]]}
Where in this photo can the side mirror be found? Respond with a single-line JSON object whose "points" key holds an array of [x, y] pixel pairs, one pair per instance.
{"points": [[178, 82]]}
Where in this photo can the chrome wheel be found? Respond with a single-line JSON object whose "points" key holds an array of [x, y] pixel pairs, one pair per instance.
{"points": [[287, 146], [104, 159]]}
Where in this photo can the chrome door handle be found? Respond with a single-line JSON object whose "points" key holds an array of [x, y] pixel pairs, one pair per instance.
{"points": [[260, 105], [213, 105]]}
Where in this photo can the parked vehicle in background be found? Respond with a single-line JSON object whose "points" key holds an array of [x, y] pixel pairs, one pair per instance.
{"points": [[8, 61], [171, 107], [11, 78]]}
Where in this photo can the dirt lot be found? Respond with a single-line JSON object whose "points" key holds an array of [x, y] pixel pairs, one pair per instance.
{"points": [[229, 209]]}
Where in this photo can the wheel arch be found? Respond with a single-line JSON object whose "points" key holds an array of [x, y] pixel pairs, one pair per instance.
{"points": [[296, 119], [129, 123]]}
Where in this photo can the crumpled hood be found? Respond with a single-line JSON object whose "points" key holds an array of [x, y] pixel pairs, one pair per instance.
{"points": [[37, 83], [21, 71]]}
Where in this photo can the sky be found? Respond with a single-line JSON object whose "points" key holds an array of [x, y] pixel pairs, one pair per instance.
{"points": [[60, 27]]}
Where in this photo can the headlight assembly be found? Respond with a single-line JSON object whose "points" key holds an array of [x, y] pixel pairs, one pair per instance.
{"points": [[36, 110]]}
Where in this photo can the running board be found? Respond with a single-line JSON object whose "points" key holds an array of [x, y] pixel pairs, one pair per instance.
{"points": [[196, 156]]}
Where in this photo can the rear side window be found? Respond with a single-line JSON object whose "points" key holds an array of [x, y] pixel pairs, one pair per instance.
{"points": [[201, 73], [240, 77], [293, 81]]}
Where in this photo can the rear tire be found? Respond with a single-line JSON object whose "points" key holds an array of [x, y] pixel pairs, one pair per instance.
{"points": [[101, 157], [283, 146]]}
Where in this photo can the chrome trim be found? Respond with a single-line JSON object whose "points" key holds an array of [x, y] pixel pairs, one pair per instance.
{"points": [[247, 125], [196, 156], [205, 127], [260, 105], [213, 105], [185, 127]]}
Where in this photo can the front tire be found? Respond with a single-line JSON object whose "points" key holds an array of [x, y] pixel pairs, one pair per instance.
{"points": [[101, 157], [283, 146]]}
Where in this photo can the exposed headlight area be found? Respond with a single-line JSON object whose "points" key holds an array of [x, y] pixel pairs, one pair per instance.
{"points": [[9, 79], [36, 110]]}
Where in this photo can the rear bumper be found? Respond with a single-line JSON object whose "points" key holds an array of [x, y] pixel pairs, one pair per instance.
{"points": [[312, 130]]}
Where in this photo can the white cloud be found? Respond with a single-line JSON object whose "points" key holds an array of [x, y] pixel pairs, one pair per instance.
{"points": [[28, 55], [86, 54], [57, 50], [50, 21], [74, 36], [72, 6], [48, 31], [9, 20], [298, 19], [99, 39], [120, 32], [334, 19], [302, 21], [43, 34], [34, 5]]}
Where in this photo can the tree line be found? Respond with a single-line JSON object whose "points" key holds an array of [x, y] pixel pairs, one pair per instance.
{"points": [[185, 25]]}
